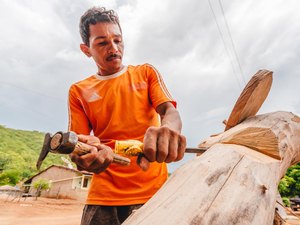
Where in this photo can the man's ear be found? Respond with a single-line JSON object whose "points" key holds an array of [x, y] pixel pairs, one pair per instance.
{"points": [[85, 49]]}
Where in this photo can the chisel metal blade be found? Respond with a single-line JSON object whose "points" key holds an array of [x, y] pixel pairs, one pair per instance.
{"points": [[195, 150]]}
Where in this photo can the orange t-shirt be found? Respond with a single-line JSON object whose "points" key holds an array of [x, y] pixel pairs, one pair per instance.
{"points": [[120, 106]]}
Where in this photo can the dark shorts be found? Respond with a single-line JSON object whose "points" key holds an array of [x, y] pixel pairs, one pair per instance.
{"points": [[106, 215]]}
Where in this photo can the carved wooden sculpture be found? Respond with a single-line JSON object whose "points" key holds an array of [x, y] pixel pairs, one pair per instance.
{"points": [[235, 181]]}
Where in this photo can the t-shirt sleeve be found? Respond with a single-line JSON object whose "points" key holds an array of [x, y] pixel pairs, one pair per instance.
{"points": [[78, 121], [158, 92]]}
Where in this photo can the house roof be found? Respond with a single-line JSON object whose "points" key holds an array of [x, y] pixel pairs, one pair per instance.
{"points": [[9, 188], [28, 181]]}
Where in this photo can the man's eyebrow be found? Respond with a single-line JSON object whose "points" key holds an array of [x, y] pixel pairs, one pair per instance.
{"points": [[103, 37], [100, 37]]}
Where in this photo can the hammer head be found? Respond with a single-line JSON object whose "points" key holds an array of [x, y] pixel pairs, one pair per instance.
{"points": [[60, 142]]}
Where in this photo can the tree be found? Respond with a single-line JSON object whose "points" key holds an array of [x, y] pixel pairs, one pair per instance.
{"points": [[289, 185], [10, 177], [4, 160], [41, 184]]}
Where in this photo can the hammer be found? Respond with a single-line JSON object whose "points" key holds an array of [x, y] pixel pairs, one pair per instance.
{"points": [[66, 143]]}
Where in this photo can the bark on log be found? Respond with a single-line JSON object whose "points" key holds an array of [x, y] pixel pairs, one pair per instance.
{"points": [[234, 182]]}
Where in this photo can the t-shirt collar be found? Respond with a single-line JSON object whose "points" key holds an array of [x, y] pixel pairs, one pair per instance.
{"points": [[108, 77]]}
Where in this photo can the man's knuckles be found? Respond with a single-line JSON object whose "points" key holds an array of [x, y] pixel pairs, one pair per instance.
{"points": [[161, 155], [150, 153], [172, 156]]}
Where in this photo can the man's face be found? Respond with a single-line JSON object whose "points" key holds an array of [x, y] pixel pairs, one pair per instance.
{"points": [[106, 47]]}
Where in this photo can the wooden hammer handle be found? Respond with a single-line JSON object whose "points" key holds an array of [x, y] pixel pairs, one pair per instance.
{"points": [[82, 149]]}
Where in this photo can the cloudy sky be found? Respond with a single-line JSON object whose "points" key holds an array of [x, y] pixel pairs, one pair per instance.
{"points": [[206, 51]]}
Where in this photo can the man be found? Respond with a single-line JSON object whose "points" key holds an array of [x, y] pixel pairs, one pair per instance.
{"points": [[119, 103]]}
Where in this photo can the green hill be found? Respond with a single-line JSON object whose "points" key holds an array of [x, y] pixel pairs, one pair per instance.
{"points": [[19, 151]]}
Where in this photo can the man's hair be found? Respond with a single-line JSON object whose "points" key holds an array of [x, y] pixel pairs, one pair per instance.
{"points": [[93, 16]]}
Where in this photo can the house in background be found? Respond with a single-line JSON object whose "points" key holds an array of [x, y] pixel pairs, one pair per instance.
{"points": [[64, 183]]}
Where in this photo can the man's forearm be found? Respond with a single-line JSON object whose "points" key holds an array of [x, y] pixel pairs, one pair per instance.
{"points": [[170, 117]]}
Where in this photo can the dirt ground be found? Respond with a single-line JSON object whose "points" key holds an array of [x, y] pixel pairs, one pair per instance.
{"points": [[43, 211], [293, 218]]}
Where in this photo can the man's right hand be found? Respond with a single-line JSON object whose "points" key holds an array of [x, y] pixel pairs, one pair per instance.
{"points": [[99, 158]]}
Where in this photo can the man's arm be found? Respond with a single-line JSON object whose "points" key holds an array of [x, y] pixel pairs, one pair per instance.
{"points": [[100, 156], [165, 143], [169, 116]]}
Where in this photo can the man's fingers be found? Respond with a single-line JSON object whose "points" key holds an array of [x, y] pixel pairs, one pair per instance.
{"points": [[143, 162], [83, 138], [96, 160], [181, 147], [87, 160], [91, 155], [104, 161], [88, 139], [163, 145], [173, 150], [150, 142]]}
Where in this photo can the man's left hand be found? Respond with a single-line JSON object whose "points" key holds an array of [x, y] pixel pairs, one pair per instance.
{"points": [[162, 144]]}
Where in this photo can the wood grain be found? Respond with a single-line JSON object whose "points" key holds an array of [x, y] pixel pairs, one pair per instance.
{"points": [[251, 98]]}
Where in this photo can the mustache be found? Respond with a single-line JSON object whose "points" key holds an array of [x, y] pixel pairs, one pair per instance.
{"points": [[114, 56]]}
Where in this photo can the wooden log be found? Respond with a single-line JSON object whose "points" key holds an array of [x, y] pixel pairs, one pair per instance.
{"points": [[274, 134], [234, 182]]}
